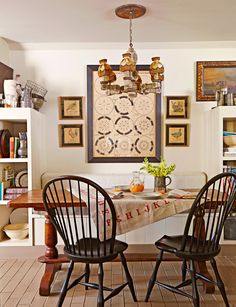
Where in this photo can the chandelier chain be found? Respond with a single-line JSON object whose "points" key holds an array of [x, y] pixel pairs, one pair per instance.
{"points": [[130, 29]]}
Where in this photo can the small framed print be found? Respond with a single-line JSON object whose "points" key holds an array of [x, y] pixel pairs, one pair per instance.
{"points": [[177, 107], [177, 134], [71, 135], [70, 107]]}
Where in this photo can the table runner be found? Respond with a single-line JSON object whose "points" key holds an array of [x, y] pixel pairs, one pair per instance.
{"points": [[133, 213]]}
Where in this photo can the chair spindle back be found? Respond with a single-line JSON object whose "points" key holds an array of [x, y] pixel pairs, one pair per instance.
{"points": [[82, 212], [208, 213]]}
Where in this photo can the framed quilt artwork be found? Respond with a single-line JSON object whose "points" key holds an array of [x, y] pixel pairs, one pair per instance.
{"points": [[121, 129]]}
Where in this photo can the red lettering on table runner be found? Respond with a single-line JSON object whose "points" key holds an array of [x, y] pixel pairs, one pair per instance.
{"points": [[118, 219], [129, 215]]}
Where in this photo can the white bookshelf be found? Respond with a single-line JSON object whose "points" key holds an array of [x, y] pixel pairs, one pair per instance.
{"points": [[219, 119], [30, 120]]}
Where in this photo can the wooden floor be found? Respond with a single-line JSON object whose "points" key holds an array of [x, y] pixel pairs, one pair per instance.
{"points": [[19, 282]]}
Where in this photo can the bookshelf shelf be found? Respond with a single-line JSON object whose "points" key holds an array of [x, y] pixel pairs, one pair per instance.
{"points": [[14, 160], [18, 120], [3, 202], [10, 242], [220, 119], [233, 158]]}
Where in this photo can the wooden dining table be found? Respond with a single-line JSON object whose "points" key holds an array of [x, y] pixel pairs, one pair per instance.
{"points": [[53, 260]]}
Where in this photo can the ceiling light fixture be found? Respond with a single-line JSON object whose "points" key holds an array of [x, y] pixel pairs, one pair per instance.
{"points": [[132, 80]]}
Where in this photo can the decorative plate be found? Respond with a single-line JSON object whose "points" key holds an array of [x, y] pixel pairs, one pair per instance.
{"points": [[1, 131], [5, 142], [147, 195], [19, 216], [21, 179]]}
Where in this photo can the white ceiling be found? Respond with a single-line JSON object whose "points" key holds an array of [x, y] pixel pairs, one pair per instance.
{"points": [[94, 21]]}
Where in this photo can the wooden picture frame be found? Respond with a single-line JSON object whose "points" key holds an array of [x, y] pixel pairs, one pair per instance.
{"points": [[176, 107], [70, 107], [177, 134], [70, 135], [121, 129], [211, 75]]}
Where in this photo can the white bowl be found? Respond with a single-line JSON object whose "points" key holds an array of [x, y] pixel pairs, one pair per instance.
{"points": [[16, 231], [230, 140]]}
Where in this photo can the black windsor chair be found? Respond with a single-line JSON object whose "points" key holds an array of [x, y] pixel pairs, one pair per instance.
{"points": [[85, 217], [200, 241]]}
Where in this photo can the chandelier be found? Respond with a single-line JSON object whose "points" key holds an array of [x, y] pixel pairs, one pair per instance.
{"points": [[132, 82]]}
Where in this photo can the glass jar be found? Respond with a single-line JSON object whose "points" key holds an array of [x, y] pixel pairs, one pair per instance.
{"points": [[137, 183]]}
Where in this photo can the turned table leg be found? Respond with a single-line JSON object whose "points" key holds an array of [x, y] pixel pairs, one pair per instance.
{"points": [[51, 253]]}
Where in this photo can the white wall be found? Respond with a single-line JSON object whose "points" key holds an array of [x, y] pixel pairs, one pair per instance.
{"points": [[4, 51], [63, 72]]}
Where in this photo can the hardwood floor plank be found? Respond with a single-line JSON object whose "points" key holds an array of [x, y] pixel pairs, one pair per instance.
{"points": [[11, 272], [32, 290], [20, 280]]}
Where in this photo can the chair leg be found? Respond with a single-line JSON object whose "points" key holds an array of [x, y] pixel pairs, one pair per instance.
{"points": [[128, 276], [153, 276], [100, 299], [195, 294], [65, 285], [87, 272], [184, 269], [220, 283]]}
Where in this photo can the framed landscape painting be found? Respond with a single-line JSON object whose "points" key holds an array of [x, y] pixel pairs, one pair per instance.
{"points": [[214, 74], [122, 129]]}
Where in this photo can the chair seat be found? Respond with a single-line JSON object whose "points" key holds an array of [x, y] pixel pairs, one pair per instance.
{"points": [[172, 244], [97, 255]]}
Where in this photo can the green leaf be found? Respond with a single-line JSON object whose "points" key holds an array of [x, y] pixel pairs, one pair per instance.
{"points": [[160, 170]]}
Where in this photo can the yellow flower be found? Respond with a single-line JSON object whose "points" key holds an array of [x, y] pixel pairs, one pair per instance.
{"points": [[160, 170]]}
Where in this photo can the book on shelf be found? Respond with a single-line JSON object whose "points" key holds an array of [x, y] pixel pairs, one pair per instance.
{"points": [[11, 146], [229, 154], [14, 144], [3, 186], [14, 190], [10, 196], [227, 168]]}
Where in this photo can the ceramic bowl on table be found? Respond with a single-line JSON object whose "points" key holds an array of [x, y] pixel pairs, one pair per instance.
{"points": [[16, 231]]}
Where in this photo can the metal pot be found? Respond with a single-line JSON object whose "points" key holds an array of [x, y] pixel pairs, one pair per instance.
{"points": [[37, 102]]}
